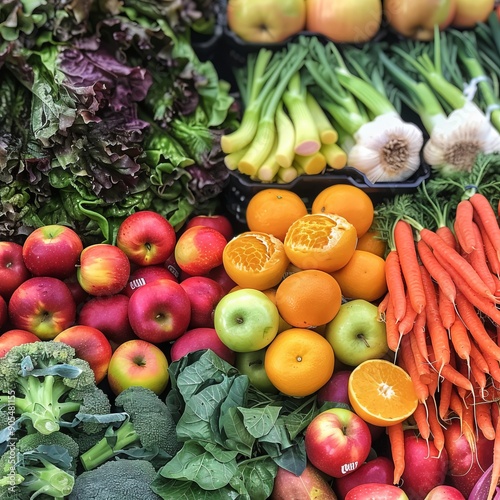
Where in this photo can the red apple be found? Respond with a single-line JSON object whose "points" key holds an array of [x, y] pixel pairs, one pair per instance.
{"points": [[12, 338], [42, 305], [91, 345], [310, 484], [4, 312], [146, 237], [204, 294], [104, 269], [13, 270], [79, 294], [52, 250], [261, 21], [466, 464], [376, 491], [444, 492], [138, 363], [146, 274], [378, 470], [108, 314], [337, 442], [201, 338], [425, 467], [199, 250], [335, 390], [159, 311], [218, 222], [220, 275]]}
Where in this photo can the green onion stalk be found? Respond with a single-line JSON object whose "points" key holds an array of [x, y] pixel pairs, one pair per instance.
{"points": [[378, 142]]}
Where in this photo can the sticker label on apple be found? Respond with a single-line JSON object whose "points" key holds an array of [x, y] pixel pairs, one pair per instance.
{"points": [[349, 467]]}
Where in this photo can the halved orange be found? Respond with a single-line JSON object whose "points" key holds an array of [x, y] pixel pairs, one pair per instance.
{"points": [[254, 259], [320, 241], [381, 392]]}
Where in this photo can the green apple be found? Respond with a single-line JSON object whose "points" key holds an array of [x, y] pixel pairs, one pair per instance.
{"points": [[246, 320], [251, 364], [356, 334]]}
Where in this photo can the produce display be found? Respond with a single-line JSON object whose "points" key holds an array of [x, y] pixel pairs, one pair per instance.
{"points": [[337, 343]]}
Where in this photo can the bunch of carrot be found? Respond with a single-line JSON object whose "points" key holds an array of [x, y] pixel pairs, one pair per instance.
{"points": [[442, 321]]}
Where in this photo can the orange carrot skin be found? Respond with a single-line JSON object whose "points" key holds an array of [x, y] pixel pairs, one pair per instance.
{"points": [[444, 409], [420, 417], [420, 333], [382, 306], [484, 420], [396, 441], [405, 245], [446, 234], [391, 329], [477, 259], [395, 284], [406, 324], [489, 250], [406, 354], [423, 366], [446, 311], [486, 214], [437, 333], [463, 226], [457, 262], [437, 271], [436, 428], [460, 339]]}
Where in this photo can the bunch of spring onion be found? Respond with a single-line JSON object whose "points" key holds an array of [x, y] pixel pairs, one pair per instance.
{"points": [[457, 126], [378, 142], [284, 132]]}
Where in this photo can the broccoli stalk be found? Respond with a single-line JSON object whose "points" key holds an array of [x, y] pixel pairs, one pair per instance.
{"points": [[40, 380], [150, 427], [42, 464]]}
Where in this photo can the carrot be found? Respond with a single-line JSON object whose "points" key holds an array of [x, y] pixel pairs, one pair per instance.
{"points": [[452, 374], [463, 226], [420, 333], [406, 324], [397, 444], [437, 333], [476, 327], [484, 420], [446, 311], [478, 378], [478, 358], [446, 234], [382, 306], [420, 417], [490, 251], [460, 339], [477, 259], [436, 429], [436, 270], [456, 404], [485, 306], [391, 329], [495, 471], [395, 284], [423, 368], [485, 213], [457, 262], [444, 399], [421, 389], [405, 245]]}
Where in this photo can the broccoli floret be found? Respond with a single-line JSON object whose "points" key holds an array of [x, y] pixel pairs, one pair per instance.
{"points": [[39, 465], [43, 376], [150, 427], [116, 480]]}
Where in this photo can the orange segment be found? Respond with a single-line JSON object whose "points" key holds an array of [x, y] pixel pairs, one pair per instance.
{"points": [[273, 210], [255, 260], [308, 298], [347, 201], [320, 241], [299, 362], [381, 392], [363, 277]]}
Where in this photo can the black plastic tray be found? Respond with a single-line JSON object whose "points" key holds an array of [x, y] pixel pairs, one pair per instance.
{"points": [[241, 188]]}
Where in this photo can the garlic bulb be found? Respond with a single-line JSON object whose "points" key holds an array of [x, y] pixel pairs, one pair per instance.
{"points": [[455, 142], [387, 149]]}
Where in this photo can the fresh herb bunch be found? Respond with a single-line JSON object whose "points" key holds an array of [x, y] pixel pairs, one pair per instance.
{"points": [[105, 110]]}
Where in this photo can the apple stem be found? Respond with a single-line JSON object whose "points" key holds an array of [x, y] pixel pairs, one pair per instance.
{"points": [[363, 338]]}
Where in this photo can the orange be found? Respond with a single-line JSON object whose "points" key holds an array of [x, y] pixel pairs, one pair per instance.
{"points": [[272, 211], [363, 277], [381, 392], [372, 242], [271, 294], [299, 362], [308, 298], [348, 201], [255, 260], [320, 241]]}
